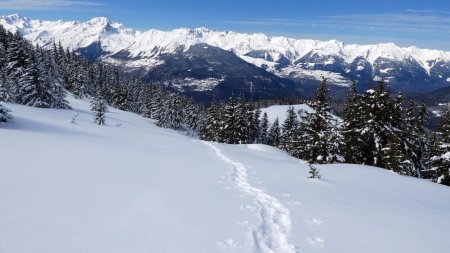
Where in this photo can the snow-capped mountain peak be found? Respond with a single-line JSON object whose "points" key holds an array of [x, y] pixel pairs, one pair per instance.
{"points": [[99, 20], [282, 56]]}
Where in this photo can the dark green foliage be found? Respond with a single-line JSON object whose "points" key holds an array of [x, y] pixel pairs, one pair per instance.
{"points": [[289, 131], [392, 155], [319, 139], [440, 155], [99, 107], [263, 130], [274, 134], [352, 122]]}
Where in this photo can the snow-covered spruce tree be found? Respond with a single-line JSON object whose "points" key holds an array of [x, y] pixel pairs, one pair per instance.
{"points": [[156, 103], [379, 117], [253, 122], [134, 89], [352, 126], [241, 132], [99, 107], [172, 113], [176, 115], [433, 150], [289, 130], [52, 79], [16, 58], [229, 131], [440, 159], [3, 88], [392, 155], [4, 114], [34, 90], [192, 115], [263, 129], [274, 134], [212, 128], [146, 100], [414, 140], [120, 100], [319, 131], [422, 141]]}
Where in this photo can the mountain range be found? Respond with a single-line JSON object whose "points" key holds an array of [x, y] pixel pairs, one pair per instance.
{"points": [[209, 63]]}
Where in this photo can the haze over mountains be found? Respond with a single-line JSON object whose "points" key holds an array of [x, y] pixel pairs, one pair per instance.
{"points": [[207, 61]]}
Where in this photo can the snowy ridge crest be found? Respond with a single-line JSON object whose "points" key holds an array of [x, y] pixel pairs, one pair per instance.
{"points": [[285, 57], [137, 42]]}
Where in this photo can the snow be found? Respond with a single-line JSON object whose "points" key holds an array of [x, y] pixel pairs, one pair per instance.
{"points": [[280, 112], [273, 233], [195, 84], [386, 70], [359, 68], [448, 79], [332, 77], [130, 186]]}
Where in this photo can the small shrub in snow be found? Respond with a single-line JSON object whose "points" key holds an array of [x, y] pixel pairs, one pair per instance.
{"points": [[74, 118], [4, 115], [314, 172]]}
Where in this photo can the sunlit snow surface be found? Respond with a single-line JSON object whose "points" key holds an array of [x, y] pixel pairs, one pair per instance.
{"points": [[132, 187]]}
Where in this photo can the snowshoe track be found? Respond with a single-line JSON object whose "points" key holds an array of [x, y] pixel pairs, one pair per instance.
{"points": [[272, 235]]}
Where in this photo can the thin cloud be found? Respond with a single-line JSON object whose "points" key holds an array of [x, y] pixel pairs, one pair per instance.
{"points": [[435, 12], [408, 21], [42, 5]]}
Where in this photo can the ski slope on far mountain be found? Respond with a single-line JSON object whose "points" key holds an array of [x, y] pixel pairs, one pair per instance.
{"points": [[133, 187]]}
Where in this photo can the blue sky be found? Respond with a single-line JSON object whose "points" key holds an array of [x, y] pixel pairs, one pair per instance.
{"points": [[425, 24]]}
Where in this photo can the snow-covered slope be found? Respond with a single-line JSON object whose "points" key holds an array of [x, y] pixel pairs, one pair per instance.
{"points": [[280, 112], [132, 187], [421, 69]]}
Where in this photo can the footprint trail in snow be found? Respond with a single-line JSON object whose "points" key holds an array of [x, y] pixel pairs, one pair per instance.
{"points": [[272, 235]]}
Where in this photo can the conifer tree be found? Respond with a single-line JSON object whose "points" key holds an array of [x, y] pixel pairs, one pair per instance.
{"points": [[146, 102], [440, 160], [3, 81], [274, 134], [192, 117], [229, 126], [15, 68], [289, 130], [380, 118], [120, 98], [156, 104], [351, 127], [318, 130], [241, 131], [171, 114], [212, 128], [52, 79], [33, 88], [253, 121], [263, 129], [393, 156], [99, 107]]}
